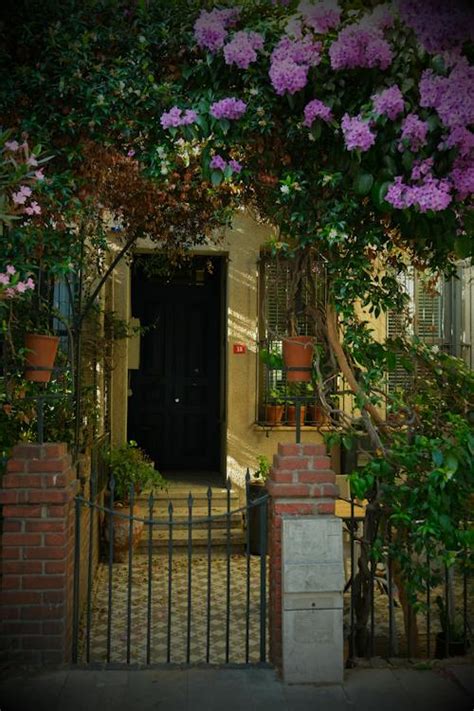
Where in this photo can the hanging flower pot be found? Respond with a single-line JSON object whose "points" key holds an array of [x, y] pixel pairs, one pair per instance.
{"points": [[298, 353], [40, 357]]}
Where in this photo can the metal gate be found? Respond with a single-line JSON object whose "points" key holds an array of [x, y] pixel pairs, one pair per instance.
{"points": [[174, 604]]}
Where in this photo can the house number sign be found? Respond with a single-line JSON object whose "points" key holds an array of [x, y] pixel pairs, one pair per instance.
{"points": [[240, 348]]}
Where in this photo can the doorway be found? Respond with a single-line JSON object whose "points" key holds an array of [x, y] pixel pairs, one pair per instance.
{"points": [[176, 400]]}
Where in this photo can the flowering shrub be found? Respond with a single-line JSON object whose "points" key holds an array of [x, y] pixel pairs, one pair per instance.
{"points": [[11, 285], [229, 108]]}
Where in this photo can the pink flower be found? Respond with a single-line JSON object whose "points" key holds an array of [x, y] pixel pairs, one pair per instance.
{"points": [[130, 153], [21, 287], [33, 209], [230, 108], [10, 269], [32, 161], [39, 175], [235, 165], [210, 29], [357, 133], [389, 102], [29, 283], [217, 163], [12, 146], [414, 132], [242, 49], [287, 76], [175, 117], [4, 279], [321, 16], [316, 109], [20, 197], [359, 45]]}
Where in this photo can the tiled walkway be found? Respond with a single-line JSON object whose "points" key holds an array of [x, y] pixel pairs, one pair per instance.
{"points": [[179, 611]]}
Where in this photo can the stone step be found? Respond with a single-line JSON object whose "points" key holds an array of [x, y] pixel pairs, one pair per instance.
{"points": [[182, 522], [199, 539]]}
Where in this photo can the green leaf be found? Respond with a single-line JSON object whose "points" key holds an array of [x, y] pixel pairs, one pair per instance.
{"points": [[452, 463], [379, 190], [363, 183], [216, 178], [407, 160], [464, 247]]}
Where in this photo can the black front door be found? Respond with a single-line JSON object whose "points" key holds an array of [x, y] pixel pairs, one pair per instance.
{"points": [[174, 406]]}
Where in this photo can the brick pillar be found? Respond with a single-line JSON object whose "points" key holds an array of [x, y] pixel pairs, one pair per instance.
{"points": [[301, 483], [37, 554]]}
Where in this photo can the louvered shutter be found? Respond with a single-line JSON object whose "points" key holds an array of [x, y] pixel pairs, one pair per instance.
{"points": [[397, 326]]}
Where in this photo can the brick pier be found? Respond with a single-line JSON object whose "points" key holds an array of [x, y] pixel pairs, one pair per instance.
{"points": [[301, 483], [37, 555]]}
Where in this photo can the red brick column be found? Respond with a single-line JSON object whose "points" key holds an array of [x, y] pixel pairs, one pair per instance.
{"points": [[301, 483], [37, 549]]}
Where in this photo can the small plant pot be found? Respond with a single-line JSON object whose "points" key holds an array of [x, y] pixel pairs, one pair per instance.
{"points": [[121, 533], [274, 414], [291, 415], [457, 648], [298, 353], [316, 415], [40, 357]]}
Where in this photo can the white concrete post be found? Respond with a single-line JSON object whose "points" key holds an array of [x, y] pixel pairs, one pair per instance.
{"points": [[312, 603]]}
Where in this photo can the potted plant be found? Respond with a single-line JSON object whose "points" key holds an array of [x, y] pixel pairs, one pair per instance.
{"points": [[274, 408], [41, 351], [256, 489], [132, 471], [452, 633], [298, 358]]}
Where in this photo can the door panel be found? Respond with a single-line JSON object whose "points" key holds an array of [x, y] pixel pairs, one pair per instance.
{"points": [[175, 401]]}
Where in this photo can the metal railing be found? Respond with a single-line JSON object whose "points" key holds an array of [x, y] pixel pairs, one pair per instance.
{"points": [[251, 609], [394, 625]]}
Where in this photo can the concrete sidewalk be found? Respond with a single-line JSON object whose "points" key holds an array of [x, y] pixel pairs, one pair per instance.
{"points": [[445, 688]]}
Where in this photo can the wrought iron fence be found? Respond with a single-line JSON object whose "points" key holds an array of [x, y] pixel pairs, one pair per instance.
{"points": [[380, 618], [164, 608]]}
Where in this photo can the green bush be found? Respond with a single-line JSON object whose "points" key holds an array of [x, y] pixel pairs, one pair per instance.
{"points": [[129, 465]]}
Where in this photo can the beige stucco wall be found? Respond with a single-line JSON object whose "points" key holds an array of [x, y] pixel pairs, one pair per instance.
{"points": [[244, 440]]}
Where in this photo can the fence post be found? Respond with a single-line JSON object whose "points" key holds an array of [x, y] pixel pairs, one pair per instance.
{"points": [[37, 555], [306, 566]]}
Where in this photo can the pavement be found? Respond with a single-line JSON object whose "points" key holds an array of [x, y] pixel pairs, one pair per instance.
{"points": [[449, 687]]}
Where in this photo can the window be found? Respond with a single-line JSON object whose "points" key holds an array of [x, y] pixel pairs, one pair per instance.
{"points": [[438, 316], [276, 298]]}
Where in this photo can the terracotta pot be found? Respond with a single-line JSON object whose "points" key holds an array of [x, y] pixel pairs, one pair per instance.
{"points": [[291, 415], [274, 414], [40, 356], [298, 352], [121, 532], [317, 415]]}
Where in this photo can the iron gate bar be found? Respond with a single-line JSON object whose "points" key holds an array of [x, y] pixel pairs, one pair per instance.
{"points": [[464, 599], [372, 607], [263, 578], [390, 592], [209, 549], [190, 553], [170, 581], [77, 562], [111, 556], [227, 618], [446, 610], [247, 591], [150, 568], [428, 606], [92, 504], [129, 580], [89, 566]]}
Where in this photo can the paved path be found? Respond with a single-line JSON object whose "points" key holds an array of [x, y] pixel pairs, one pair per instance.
{"points": [[449, 688]]}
